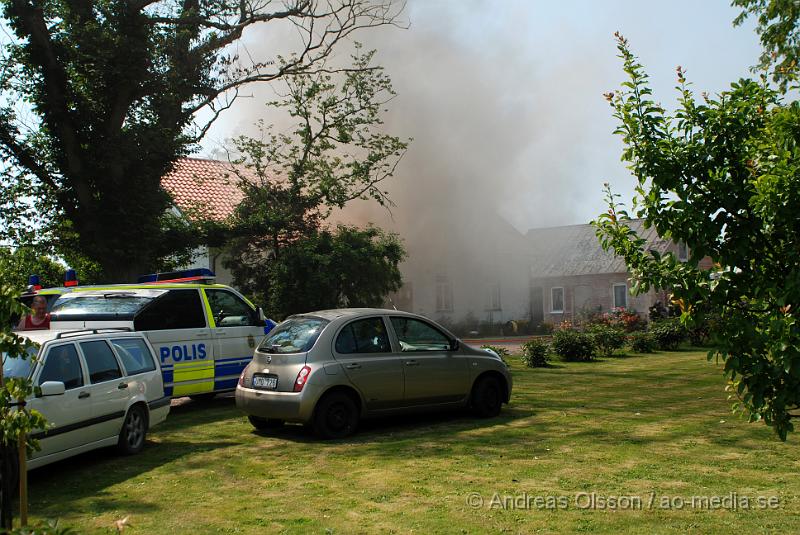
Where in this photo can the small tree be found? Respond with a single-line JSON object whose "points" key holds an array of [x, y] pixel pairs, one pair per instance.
{"points": [[721, 175], [15, 422]]}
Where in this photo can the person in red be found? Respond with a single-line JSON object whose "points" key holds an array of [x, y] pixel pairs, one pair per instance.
{"points": [[39, 319]]}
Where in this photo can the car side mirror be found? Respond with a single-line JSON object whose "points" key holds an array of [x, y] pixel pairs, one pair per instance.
{"points": [[52, 388], [454, 345], [261, 316]]}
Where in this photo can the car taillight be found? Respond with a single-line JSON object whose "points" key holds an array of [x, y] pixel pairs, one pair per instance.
{"points": [[302, 377], [241, 377]]}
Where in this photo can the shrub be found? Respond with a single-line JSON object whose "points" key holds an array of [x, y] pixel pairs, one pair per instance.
{"points": [[643, 342], [668, 333], [619, 318], [572, 345], [535, 353], [607, 340], [501, 351]]}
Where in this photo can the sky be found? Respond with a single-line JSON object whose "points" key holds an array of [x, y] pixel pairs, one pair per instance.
{"points": [[504, 101]]}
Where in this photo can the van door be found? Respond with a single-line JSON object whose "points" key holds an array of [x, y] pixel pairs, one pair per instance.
{"points": [[236, 330], [68, 414], [175, 324]]}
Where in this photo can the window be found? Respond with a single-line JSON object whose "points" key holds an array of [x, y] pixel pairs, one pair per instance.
{"points": [[363, 336], [62, 364], [557, 299], [100, 361], [416, 335], [177, 309], [683, 252], [294, 335], [493, 297], [620, 296], [444, 294], [135, 355], [230, 310]]}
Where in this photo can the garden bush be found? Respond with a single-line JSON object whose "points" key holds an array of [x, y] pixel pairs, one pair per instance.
{"points": [[535, 353], [607, 340], [572, 345], [643, 342], [668, 333]]}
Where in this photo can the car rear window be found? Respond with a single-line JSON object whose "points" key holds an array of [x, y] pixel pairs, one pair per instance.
{"points": [[135, 355], [295, 335]]}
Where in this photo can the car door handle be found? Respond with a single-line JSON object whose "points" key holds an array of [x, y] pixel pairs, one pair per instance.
{"points": [[122, 386], [83, 395], [353, 366], [201, 335], [412, 363], [221, 332]]}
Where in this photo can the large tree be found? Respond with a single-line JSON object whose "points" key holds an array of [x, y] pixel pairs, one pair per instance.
{"points": [[101, 97], [722, 174]]}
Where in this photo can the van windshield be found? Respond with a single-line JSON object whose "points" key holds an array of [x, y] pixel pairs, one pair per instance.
{"points": [[113, 304], [295, 335]]}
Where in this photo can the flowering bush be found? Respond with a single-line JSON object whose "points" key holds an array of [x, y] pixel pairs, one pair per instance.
{"points": [[619, 318]]}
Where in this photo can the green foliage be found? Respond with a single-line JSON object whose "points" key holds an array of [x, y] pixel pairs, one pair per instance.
{"points": [[619, 318], [607, 340], [48, 527], [572, 345], [723, 176], [100, 98], [535, 353], [668, 333], [642, 342], [17, 265], [780, 37]]}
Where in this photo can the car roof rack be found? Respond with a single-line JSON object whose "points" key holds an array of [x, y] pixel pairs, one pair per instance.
{"points": [[101, 330]]}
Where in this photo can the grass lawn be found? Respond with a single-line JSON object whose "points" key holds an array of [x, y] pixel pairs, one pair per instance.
{"points": [[646, 431]]}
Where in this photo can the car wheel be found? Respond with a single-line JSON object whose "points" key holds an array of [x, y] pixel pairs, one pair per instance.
{"points": [[487, 397], [264, 424], [208, 396], [134, 431], [336, 416]]}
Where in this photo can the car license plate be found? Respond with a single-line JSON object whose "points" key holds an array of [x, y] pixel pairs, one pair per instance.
{"points": [[265, 382]]}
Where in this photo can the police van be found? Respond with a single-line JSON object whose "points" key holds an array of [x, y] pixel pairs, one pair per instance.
{"points": [[204, 334]]}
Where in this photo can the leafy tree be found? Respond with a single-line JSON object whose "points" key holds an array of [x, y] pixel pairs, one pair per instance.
{"points": [[100, 98], [17, 265], [279, 251], [15, 425], [328, 269], [721, 174], [780, 37]]}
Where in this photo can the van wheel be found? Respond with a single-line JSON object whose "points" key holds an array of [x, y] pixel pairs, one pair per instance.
{"points": [[134, 431], [336, 416], [487, 397], [264, 424]]}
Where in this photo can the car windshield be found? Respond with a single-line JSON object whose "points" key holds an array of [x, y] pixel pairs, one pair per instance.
{"points": [[17, 367], [295, 335], [111, 304]]}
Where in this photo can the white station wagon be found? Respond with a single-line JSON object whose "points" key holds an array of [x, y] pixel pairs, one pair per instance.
{"points": [[95, 388]]}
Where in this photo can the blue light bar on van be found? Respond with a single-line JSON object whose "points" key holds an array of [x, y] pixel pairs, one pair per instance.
{"points": [[70, 277], [34, 283], [185, 275]]}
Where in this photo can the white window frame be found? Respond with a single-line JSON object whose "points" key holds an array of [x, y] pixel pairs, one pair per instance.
{"points": [[444, 295], [614, 294], [552, 301]]}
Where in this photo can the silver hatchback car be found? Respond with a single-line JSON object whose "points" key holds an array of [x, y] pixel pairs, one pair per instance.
{"points": [[333, 367]]}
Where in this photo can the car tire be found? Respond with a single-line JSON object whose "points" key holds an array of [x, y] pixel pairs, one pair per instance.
{"points": [[265, 424], [336, 416], [487, 397], [134, 431], [208, 396]]}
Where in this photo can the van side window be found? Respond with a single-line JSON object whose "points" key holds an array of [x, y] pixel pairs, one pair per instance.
{"points": [[135, 355], [177, 309], [100, 361], [230, 310], [363, 336], [62, 364]]}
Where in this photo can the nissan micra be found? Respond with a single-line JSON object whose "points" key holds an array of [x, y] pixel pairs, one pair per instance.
{"points": [[331, 368]]}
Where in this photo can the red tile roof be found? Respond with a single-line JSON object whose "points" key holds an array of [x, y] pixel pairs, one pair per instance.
{"points": [[204, 187]]}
